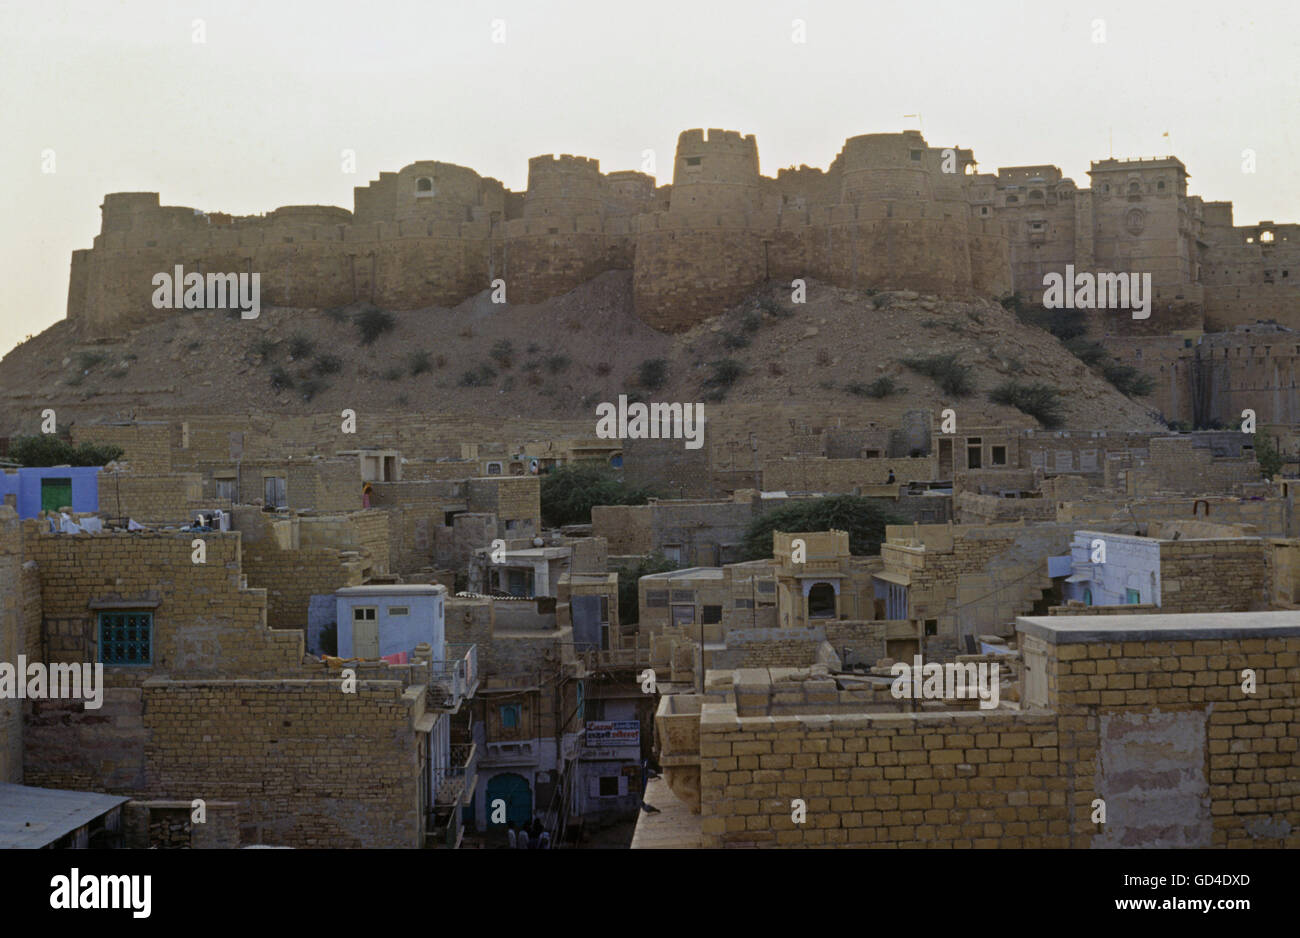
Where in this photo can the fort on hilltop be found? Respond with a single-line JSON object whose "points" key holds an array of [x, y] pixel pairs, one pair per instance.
{"points": [[890, 212]]}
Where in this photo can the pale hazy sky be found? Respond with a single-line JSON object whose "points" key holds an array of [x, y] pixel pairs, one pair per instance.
{"points": [[257, 116]]}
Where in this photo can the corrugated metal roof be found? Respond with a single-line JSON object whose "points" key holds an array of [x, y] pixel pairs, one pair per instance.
{"points": [[36, 817]]}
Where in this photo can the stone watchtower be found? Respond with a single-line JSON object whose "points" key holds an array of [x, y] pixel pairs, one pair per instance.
{"points": [[715, 173], [563, 186], [885, 167]]}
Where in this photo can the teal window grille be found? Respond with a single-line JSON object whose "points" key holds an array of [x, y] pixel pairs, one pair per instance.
{"points": [[510, 716], [126, 638]]}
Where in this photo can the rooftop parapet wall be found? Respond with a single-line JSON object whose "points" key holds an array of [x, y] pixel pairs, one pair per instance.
{"points": [[1105, 696]]}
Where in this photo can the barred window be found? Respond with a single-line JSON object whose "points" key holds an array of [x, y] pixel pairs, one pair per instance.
{"points": [[683, 596], [767, 586], [126, 638], [656, 597]]}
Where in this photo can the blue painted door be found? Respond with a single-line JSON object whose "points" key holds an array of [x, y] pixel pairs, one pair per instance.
{"points": [[513, 789]]}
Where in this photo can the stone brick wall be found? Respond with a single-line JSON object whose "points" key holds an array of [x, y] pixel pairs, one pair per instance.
{"points": [[416, 510], [512, 499], [1224, 575], [323, 485], [155, 499], [1029, 778], [226, 711], [1244, 745], [309, 765], [146, 445], [818, 474], [783, 691], [1270, 516], [767, 648], [966, 779], [1175, 465], [292, 575], [204, 623], [14, 630], [972, 508]]}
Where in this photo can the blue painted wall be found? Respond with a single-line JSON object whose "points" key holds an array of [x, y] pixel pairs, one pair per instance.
{"points": [[424, 623], [26, 485]]}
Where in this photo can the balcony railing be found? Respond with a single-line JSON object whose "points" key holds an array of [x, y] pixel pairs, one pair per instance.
{"points": [[454, 784], [616, 658], [509, 752], [456, 677]]}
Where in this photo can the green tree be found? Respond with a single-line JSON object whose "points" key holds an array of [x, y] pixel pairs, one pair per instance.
{"points": [[863, 518], [570, 492], [47, 449], [1266, 452]]}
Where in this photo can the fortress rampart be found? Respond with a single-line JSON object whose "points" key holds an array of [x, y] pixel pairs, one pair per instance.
{"points": [[890, 212]]}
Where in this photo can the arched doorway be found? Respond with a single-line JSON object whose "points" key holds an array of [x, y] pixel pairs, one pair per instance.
{"points": [[821, 601], [513, 790]]}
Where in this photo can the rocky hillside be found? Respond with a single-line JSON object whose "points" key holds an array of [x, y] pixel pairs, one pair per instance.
{"points": [[562, 357]]}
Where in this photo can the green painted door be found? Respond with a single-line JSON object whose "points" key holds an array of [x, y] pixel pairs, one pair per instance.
{"points": [[55, 494], [513, 790]]}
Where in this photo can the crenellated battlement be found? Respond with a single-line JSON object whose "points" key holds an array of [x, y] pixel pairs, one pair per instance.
{"points": [[717, 140], [889, 212]]}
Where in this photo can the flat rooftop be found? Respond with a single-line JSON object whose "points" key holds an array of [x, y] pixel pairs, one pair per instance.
{"points": [[675, 827], [691, 573], [392, 589], [1069, 630], [31, 818]]}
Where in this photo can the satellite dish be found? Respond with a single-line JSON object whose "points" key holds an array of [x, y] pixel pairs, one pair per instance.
{"points": [[532, 467]]}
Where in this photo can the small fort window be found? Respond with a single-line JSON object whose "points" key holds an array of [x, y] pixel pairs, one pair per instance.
{"points": [[693, 160], [1036, 194], [424, 186], [510, 716], [1012, 198], [916, 156], [1160, 184], [1266, 237], [126, 638]]}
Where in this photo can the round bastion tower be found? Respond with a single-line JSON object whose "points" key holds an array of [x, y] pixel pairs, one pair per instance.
{"points": [[715, 173], [885, 167], [563, 186]]}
